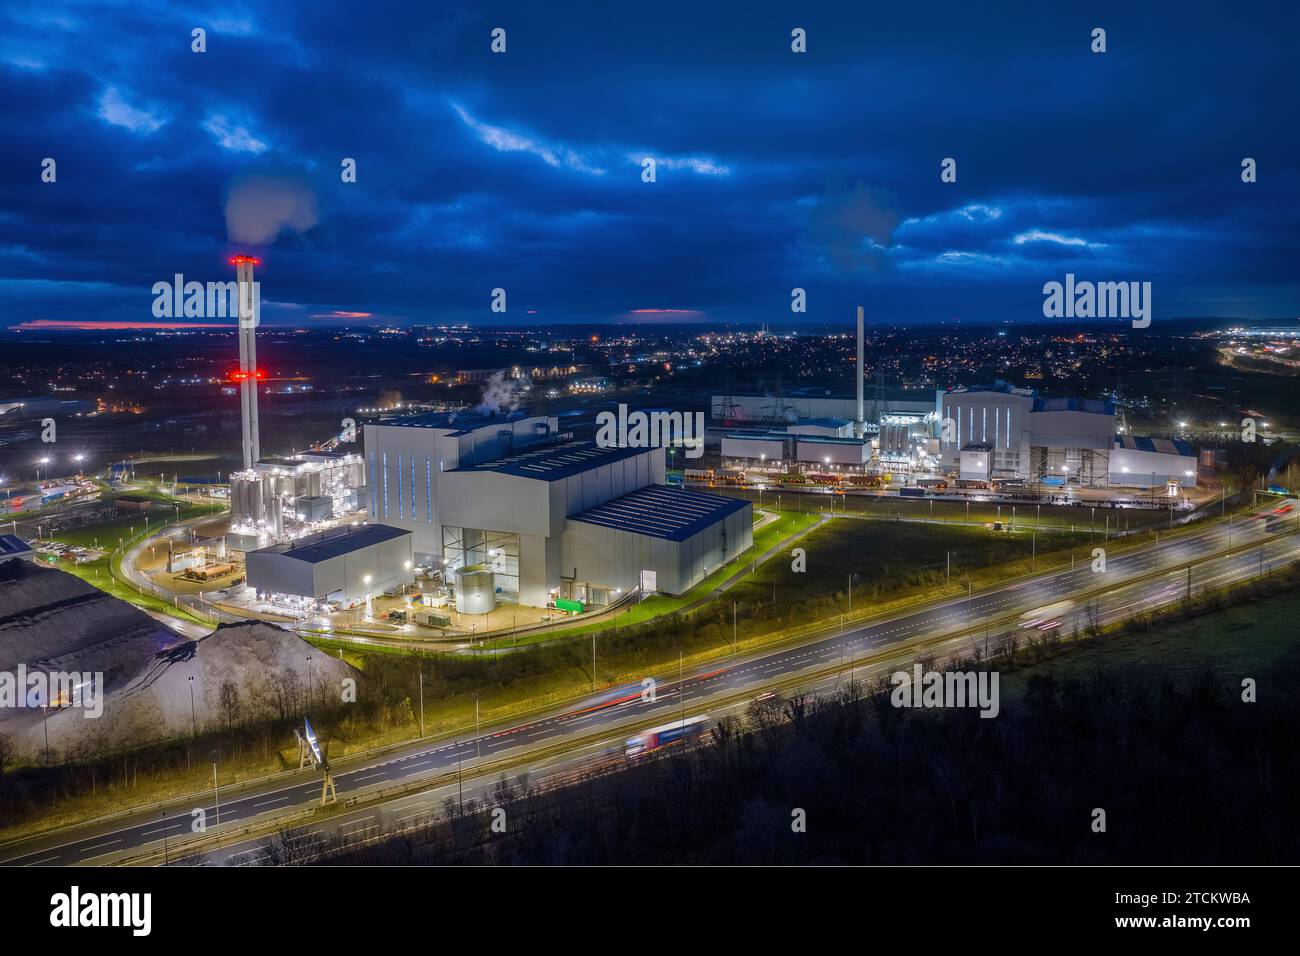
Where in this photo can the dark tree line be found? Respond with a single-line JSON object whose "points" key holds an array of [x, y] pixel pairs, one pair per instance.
{"points": [[1186, 774]]}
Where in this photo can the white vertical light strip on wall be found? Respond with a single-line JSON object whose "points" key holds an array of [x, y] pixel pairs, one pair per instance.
{"points": [[384, 460], [412, 487], [374, 488], [428, 491], [400, 515]]}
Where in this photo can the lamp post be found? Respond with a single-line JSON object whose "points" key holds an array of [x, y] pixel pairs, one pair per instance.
{"points": [[216, 791]]}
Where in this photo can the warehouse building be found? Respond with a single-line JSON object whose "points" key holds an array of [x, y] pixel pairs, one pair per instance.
{"points": [[344, 565], [657, 538], [837, 452], [828, 427], [757, 445], [1153, 462], [810, 445], [807, 404], [14, 548], [499, 493]]}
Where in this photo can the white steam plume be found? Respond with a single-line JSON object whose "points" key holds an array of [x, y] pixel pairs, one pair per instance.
{"points": [[502, 394], [260, 207]]}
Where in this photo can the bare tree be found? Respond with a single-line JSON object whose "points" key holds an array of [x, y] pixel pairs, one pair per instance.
{"points": [[7, 751], [296, 847], [229, 703]]}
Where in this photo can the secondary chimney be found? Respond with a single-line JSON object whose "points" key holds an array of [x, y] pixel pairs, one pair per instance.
{"points": [[249, 313], [859, 426]]}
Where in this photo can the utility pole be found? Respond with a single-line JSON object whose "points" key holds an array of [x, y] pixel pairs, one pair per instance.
{"points": [[681, 686], [421, 699], [216, 794]]}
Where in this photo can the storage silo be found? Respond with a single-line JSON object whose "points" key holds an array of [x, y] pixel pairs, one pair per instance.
{"points": [[476, 589]]}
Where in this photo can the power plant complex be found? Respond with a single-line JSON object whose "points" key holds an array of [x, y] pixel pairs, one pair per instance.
{"points": [[475, 509], [979, 435]]}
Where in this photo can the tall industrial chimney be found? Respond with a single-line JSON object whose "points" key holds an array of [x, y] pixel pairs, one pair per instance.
{"points": [[859, 426], [248, 375]]}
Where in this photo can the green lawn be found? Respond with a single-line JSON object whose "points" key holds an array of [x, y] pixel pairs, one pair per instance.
{"points": [[1232, 644], [107, 533], [786, 524], [1055, 517], [105, 574], [891, 564]]}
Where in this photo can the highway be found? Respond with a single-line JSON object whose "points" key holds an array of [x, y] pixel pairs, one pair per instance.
{"points": [[558, 741]]}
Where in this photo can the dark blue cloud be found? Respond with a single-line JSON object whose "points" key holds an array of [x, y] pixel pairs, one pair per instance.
{"points": [[775, 170]]}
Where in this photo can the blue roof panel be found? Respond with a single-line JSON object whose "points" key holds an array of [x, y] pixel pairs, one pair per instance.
{"points": [[11, 545], [337, 541], [554, 462], [1096, 406], [659, 512]]}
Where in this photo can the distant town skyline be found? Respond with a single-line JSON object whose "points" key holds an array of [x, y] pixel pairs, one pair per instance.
{"points": [[523, 170]]}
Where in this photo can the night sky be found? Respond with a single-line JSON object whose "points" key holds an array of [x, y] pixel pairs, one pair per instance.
{"points": [[775, 169]]}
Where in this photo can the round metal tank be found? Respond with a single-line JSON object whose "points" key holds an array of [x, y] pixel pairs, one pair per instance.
{"points": [[476, 589]]}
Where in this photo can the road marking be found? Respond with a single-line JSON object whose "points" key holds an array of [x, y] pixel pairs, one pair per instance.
{"points": [[100, 845]]}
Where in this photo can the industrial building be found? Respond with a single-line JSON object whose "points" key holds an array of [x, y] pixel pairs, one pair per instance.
{"points": [[807, 405], [14, 548], [663, 539], [979, 434], [279, 497], [1000, 431], [275, 499], [504, 493], [344, 565], [1152, 462], [783, 446]]}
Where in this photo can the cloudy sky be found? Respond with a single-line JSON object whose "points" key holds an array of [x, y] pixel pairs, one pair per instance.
{"points": [[523, 170]]}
